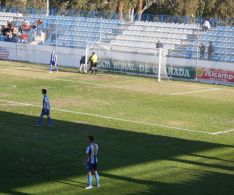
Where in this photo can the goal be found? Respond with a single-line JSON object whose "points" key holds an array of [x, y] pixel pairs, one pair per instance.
{"points": [[130, 60]]}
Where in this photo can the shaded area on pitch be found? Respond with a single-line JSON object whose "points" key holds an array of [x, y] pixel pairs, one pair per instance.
{"points": [[209, 183], [31, 156]]}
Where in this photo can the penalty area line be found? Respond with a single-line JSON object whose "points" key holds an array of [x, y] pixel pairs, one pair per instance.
{"points": [[93, 84], [119, 88], [205, 89], [111, 118]]}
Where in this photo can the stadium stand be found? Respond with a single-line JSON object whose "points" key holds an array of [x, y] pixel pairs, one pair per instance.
{"points": [[4, 18], [16, 28], [76, 31], [182, 40], [147, 34]]}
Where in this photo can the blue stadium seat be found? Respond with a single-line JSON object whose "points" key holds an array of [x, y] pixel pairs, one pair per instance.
{"points": [[73, 29]]}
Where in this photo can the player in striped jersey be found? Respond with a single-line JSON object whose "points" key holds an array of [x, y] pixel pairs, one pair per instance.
{"points": [[53, 61], [91, 162], [45, 109]]}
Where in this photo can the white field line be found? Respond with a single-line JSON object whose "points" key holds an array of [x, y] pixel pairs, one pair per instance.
{"points": [[185, 85], [93, 84], [171, 83], [115, 87], [197, 91], [117, 76], [110, 118], [222, 132]]}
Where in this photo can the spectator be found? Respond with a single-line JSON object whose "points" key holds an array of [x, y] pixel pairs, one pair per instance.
{"points": [[159, 44], [26, 28], [13, 34], [26, 22], [37, 23], [202, 48], [4, 30], [206, 25], [26, 25], [210, 51], [7, 30]]}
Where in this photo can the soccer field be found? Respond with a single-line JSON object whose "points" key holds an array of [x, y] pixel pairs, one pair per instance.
{"points": [[163, 138]]}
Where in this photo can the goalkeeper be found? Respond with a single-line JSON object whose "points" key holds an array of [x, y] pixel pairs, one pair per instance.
{"points": [[93, 59]]}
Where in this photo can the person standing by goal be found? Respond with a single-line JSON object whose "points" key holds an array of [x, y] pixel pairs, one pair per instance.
{"points": [[93, 59], [53, 61], [82, 65]]}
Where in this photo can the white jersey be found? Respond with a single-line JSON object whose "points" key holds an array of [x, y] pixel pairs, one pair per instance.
{"points": [[92, 151]]}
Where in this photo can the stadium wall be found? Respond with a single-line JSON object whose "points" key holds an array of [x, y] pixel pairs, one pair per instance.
{"points": [[40, 54], [178, 68]]}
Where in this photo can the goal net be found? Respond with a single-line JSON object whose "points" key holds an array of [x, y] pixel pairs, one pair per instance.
{"points": [[130, 60]]}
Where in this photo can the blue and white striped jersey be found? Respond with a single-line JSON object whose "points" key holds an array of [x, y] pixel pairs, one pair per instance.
{"points": [[92, 151], [46, 102], [53, 57]]}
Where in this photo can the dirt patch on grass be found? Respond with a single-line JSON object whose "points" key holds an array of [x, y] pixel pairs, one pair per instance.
{"points": [[4, 95], [178, 123], [99, 78]]}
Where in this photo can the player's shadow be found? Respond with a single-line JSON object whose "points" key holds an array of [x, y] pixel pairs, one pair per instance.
{"points": [[30, 156], [73, 183]]}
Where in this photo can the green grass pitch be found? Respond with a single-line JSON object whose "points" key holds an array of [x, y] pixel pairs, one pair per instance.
{"points": [[168, 138]]}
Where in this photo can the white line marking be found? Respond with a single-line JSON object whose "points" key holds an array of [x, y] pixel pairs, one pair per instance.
{"points": [[93, 84], [168, 82], [115, 87], [198, 91], [222, 132], [176, 82], [129, 76], [11, 68], [111, 118]]}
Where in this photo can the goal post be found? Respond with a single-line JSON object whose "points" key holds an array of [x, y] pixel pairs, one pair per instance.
{"points": [[130, 60], [162, 64]]}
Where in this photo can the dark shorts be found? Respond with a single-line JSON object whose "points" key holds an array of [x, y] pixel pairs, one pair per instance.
{"points": [[91, 167], [52, 63], [93, 65], [45, 112]]}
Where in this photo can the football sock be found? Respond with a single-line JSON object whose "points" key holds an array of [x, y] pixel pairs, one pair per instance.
{"points": [[97, 179], [50, 122], [90, 180], [40, 120]]}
